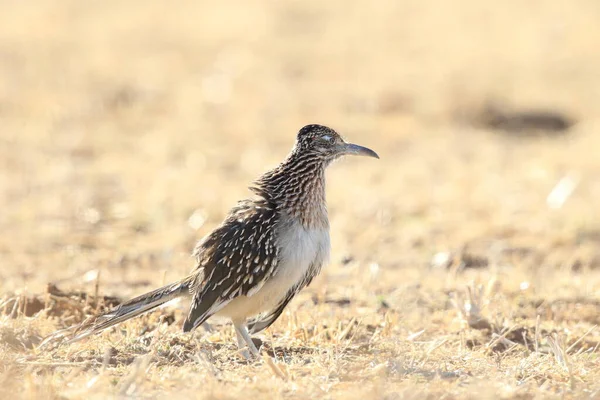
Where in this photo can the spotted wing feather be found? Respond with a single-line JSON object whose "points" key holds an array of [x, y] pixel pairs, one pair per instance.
{"points": [[235, 260]]}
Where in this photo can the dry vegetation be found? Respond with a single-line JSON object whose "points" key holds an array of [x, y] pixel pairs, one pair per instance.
{"points": [[128, 129]]}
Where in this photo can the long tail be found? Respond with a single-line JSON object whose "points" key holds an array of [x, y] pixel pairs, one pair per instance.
{"points": [[130, 309]]}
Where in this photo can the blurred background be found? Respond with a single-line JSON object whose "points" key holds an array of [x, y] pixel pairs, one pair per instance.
{"points": [[128, 130]]}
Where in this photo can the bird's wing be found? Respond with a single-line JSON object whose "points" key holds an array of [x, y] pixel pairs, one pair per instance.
{"points": [[236, 259], [263, 321]]}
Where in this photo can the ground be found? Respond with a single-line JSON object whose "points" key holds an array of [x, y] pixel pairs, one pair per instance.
{"points": [[465, 262]]}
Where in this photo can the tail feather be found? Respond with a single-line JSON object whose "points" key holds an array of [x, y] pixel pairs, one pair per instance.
{"points": [[135, 307]]}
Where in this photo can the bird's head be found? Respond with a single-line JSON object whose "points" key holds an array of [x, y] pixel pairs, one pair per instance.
{"points": [[326, 144]]}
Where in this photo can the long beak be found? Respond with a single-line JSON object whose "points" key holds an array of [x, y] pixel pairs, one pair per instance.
{"points": [[354, 149]]}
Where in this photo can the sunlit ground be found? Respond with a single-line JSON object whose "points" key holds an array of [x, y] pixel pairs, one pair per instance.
{"points": [[465, 262]]}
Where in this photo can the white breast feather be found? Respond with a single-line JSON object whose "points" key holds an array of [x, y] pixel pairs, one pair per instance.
{"points": [[299, 249]]}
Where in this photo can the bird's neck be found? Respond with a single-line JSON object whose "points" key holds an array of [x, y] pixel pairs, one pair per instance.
{"points": [[297, 187]]}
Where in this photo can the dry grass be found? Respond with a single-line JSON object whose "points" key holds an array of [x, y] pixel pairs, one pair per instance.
{"points": [[128, 129]]}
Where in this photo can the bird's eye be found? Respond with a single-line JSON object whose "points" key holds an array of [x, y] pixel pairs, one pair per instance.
{"points": [[327, 138]]}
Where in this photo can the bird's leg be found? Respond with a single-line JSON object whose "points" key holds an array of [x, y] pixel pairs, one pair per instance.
{"points": [[244, 340], [207, 327], [242, 344]]}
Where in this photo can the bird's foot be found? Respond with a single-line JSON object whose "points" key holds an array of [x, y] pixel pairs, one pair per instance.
{"points": [[246, 355], [250, 353]]}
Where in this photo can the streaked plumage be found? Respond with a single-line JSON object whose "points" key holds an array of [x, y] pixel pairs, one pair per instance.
{"points": [[267, 249]]}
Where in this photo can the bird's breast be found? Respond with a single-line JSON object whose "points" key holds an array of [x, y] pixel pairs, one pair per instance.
{"points": [[300, 249]]}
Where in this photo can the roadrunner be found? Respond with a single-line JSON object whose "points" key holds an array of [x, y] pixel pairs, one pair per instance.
{"points": [[268, 248]]}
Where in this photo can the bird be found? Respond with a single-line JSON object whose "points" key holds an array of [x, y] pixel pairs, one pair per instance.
{"points": [[269, 247]]}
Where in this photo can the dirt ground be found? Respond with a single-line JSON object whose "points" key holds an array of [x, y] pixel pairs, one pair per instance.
{"points": [[465, 262]]}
